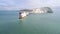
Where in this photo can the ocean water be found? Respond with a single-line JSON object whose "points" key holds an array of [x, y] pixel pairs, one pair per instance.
{"points": [[48, 23]]}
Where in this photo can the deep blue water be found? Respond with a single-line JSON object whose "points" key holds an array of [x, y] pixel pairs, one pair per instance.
{"points": [[48, 23]]}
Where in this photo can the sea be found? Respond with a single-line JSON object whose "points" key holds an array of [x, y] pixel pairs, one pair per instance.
{"points": [[48, 23]]}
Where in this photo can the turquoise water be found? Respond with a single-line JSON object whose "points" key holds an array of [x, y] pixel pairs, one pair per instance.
{"points": [[32, 24]]}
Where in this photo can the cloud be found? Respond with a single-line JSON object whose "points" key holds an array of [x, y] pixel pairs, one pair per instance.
{"points": [[9, 4], [41, 3], [21, 4]]}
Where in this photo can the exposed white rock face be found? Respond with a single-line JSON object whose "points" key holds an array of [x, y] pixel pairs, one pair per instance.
{"points": [[48, 9], [42, 10], [36, 11], [24, 14]]}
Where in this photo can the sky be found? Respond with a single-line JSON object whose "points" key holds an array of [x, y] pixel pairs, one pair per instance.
{"points": [[27, 4]]}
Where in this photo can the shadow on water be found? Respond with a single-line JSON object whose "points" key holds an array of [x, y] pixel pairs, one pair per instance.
{"points": [[21, 21], [22, 27]]}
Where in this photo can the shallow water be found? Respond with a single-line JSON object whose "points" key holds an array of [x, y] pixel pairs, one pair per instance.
{"points": [[32, 24]]}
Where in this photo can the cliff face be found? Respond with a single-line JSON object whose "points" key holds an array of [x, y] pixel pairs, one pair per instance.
{"points": [[48, 9], [43, 10], [38, 10]]}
